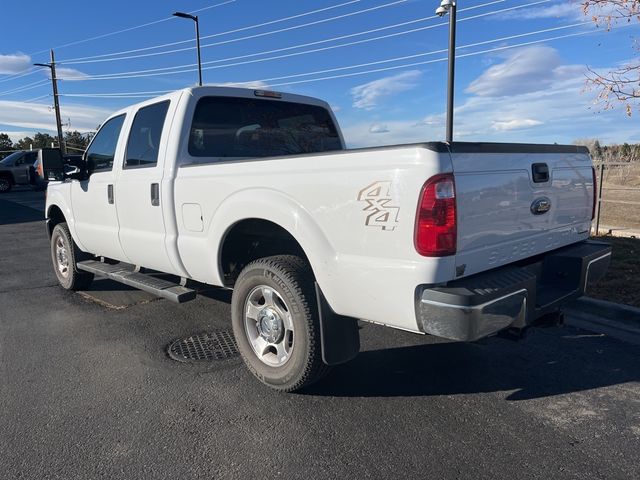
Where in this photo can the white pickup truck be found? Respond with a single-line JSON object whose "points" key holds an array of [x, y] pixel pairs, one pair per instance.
{"points": [[254, 191]]}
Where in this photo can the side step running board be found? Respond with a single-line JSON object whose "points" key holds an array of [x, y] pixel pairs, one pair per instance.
{"points": [[156, 286]]}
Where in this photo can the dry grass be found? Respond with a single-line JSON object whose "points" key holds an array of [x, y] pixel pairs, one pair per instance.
{"points": [[617, 184], [620, 215], [621, 284]]}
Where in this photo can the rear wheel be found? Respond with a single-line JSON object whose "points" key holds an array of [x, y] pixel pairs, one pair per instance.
{"points": [[5, 184], [276, 324], [65, 254]]}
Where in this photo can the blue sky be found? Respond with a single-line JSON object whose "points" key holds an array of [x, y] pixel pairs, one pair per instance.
{"points": [[377, 62]]}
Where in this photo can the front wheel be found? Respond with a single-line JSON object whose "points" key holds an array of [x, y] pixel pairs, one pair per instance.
{"points": [[65, 255], [5, 184], [275, 322]]}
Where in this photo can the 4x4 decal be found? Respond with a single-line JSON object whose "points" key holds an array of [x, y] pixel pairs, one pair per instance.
{"points": [[380, 211]]}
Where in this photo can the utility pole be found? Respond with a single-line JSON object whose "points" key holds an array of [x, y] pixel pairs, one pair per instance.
{"points": [[56, 103]]}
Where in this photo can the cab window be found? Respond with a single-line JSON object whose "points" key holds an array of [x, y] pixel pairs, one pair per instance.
{"points": [[103, 147], [145, 135]]}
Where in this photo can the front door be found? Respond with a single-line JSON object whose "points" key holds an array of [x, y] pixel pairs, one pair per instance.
{"points": [[139, 190], [93, 199], [21, 167]]}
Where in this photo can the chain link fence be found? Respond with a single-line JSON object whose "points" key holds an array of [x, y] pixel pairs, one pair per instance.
{"points": [[618, 206]]}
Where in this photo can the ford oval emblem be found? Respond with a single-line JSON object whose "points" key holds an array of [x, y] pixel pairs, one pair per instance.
{"points": [[540, 205]]}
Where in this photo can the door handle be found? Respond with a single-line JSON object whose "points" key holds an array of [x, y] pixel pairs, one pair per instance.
{"points": [[540, 172], [110, 194], [155, 194]]}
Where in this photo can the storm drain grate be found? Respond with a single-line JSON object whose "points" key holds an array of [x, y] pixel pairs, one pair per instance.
{"points": [[218, 345]]}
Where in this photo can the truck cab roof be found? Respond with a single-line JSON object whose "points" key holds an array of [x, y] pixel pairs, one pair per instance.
{"points": [[227, 91]]}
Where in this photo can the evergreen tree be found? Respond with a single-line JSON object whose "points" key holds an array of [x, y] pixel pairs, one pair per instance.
{"points": [[625, 151]]}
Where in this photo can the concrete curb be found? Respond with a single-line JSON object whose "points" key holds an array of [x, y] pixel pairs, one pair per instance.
{"points": [[612, 319]]}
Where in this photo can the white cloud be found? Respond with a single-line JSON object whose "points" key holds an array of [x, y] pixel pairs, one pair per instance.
{"points": [[63, 73], [526, 70], [368, 95], [570, 9], [514, 124], [14, 63], [378, 128], [555, 110], [39, 116]]}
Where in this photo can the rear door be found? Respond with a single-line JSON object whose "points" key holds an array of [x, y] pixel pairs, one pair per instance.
{"points": [[139, 189], [517, 201]]}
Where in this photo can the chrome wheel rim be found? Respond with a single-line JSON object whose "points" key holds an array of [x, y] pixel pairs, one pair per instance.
{"points": [[269, 326], [62, 257], [4, 185]]}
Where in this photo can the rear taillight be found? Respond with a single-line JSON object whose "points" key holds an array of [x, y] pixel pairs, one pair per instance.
{"points": [[595, 193], [436, 231]]}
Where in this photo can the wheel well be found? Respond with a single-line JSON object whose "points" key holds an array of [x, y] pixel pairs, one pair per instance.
{"points": [[54, 217], [251, 239]]}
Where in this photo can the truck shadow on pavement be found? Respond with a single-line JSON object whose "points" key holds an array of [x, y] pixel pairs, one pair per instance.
{"points": [[11, 213], [553, 362]]}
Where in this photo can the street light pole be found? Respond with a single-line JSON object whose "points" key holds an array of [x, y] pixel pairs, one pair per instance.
{"points": [[449, 6], [195, 19], [198, 46], [56, 104]]}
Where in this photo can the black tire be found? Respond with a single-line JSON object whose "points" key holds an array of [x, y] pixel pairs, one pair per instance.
{"points": [[291, 278], [5, 184], [70, 278]]}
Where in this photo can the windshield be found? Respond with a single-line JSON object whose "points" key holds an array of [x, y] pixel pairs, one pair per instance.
{"points": [[9, 160], [230, 127]]}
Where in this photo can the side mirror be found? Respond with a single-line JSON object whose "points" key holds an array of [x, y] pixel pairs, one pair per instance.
{"points": [[73, 172], [52, 164]]}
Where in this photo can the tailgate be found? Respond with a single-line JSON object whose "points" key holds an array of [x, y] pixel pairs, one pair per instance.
{"points": [[515, 201]]}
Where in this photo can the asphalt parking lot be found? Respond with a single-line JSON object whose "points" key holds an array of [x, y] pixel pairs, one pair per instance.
{"points": [[87, 391]]}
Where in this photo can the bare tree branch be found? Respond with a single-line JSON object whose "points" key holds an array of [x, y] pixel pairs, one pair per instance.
{"points": [[621, 85]]}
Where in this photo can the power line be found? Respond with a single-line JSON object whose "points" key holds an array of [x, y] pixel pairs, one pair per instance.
{"points": [[464, 55], [15, 76], [30, 100], [78, 42], [90, 95], [248, 37], [293, 47], [407, 65], [24, 88], [397, 67], [433, 52], [135, 50], [159, 92], [118, 76]]}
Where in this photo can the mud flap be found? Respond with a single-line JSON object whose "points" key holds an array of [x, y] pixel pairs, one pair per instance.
{"points": [[339, 335]]}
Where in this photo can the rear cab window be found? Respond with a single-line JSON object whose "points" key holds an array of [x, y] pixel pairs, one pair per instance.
{"points": [[227, 128]]}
